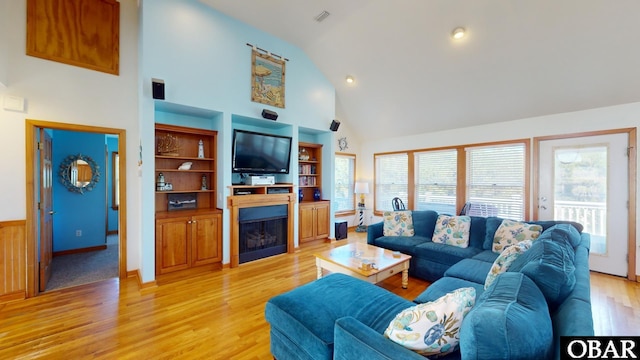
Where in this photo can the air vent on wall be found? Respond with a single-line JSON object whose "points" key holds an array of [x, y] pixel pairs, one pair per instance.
{"points": [[323, 15]]}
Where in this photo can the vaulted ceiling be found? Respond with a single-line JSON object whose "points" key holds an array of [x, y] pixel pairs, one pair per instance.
{"points": [[519, 59]]}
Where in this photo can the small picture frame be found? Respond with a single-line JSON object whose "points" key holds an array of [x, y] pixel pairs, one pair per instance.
{"points": [[182, 201]]}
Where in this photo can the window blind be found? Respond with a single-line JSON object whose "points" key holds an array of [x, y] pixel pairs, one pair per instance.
{"points": [[344, 198], [435, 180], [392, 175], [496, 177]]}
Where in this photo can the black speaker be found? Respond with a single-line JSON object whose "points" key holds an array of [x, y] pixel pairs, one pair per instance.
{"points": [[268, 114], [157, 88], [334, 125], [341, 230]]}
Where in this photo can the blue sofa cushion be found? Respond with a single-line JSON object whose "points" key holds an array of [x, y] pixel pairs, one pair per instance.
{"points": [[509, 321], [404, 244], [492, 224], [550, 265], [444, 254], [303, 316], [563, 233], [424, 222], [487, 256], [470, 269], [353, 340], [546, 224]]}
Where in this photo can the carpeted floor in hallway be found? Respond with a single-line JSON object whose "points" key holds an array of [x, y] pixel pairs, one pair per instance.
{"points": [[83, 268]]}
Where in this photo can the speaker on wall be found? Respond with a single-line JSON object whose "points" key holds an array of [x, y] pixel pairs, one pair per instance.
{"points": [[341, 230], [157, 88], [268, 114], [334, 125]]}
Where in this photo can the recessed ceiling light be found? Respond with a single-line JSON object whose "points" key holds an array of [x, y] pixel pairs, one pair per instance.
{"points": [[458, 33], [349, 79]]}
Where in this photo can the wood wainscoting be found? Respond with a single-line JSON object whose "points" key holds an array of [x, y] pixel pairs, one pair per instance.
{"points": [[13, 260]]}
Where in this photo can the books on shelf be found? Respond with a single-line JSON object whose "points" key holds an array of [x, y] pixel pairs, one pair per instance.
{"points": [[306, 169], [307, 181]]}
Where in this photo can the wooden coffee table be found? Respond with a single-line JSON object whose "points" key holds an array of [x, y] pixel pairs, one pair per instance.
{"points": [[348, 259]]}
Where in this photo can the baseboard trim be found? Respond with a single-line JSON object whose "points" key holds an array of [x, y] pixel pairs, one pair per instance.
{"points": [[141, 286], [79, 251], [18, 295]]}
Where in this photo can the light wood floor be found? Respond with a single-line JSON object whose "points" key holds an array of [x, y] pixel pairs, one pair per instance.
{"points": [[211, 315]]}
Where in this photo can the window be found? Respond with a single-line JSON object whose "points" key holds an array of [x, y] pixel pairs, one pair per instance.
{"points": [[435, 180], [345, 175], [492, 177], [392, 179], [496, 178]]}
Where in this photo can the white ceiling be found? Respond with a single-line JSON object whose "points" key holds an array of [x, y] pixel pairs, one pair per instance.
{"points": [[521, 58]]}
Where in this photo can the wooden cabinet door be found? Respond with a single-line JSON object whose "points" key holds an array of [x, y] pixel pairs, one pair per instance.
{"points": [[173, 244], [322, 220], [306, 223], [207, 235]]}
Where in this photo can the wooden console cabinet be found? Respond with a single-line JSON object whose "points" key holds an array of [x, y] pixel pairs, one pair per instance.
{"points": [[186, 237], [314, 220]]}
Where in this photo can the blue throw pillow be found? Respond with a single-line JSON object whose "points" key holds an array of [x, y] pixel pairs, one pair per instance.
{"points": [[563, 232], [510, 320], [550, 265]]}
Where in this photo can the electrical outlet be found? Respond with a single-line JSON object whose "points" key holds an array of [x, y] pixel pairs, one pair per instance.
{"points": [[78, 232]]}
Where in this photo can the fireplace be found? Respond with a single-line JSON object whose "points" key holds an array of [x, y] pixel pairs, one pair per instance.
{"points": [[262, 232]]}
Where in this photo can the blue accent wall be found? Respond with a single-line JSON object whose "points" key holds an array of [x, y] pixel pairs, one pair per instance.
{"points": [[203, 58], [85, 212]]}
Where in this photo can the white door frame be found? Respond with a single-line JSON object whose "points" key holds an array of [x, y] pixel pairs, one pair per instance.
{"points": [[631, 133]]}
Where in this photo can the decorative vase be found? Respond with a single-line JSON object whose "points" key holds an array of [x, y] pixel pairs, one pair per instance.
{"points": [[316, 194], [303, 154], [300, 195]]}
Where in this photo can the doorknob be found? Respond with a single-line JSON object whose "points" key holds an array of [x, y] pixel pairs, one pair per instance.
{"points": [[51, 212], [543, 207]]}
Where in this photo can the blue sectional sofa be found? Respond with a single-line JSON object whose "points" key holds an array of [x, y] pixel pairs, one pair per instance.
{"points": [[543, 295]]}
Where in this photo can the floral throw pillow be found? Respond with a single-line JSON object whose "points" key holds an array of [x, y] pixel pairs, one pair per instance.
{"points": [[398, 223], [511, 232], [433, 328], [452, 230], [504, 261]]}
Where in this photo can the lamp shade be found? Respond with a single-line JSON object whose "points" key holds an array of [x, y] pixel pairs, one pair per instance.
{"points": [[361, 188]]}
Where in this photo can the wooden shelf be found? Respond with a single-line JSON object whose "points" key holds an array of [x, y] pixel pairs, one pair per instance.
{"points": [[187, 181]]}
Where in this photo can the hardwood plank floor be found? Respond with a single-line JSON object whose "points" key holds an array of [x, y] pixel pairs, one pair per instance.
{"points": [[215, 314]]}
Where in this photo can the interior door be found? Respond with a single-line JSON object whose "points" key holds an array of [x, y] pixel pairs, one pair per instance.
{"points": [[585, 179], [46, 209]]}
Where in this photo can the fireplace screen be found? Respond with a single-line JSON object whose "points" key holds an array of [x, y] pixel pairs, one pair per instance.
{"points": [[263, 232]]}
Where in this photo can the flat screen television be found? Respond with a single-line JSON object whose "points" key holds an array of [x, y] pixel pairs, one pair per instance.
{"points": [[258, 153]]}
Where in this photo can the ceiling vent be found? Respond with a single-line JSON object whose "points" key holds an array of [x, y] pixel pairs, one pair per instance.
{"points": [[323, 15]]}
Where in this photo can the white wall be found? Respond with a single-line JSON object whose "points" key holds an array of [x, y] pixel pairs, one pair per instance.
{"points": [[614, 117], [63, 93], [354, 147]]}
